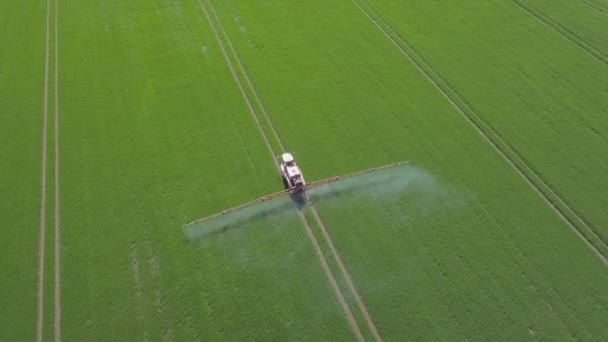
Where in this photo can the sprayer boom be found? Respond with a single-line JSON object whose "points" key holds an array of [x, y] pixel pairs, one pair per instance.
{"points": [[384, 175]]}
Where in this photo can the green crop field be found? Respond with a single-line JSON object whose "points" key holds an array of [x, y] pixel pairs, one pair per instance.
{"points": [[121, 121]]}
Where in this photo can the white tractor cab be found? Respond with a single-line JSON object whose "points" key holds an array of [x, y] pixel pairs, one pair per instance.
{"points": [[292, 176]]}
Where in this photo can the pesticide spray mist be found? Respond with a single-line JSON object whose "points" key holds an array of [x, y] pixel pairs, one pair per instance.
{"points": [[375, 185], [382, 184]]}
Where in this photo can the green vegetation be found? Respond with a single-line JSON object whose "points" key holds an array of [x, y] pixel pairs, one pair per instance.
{"points": [[21, 81], [354, 103], [156, 140], [540, 92], [155, 133], [583, 22]]}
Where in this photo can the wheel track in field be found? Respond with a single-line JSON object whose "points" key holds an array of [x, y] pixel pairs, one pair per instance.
{"points": [[346, 275], [250, 84], [43, 187], [562, 31], [309, 232], [316, 215], [142, 317], [563, 210], [594, 7], [57, 247], [331, 277], [42, 226]]}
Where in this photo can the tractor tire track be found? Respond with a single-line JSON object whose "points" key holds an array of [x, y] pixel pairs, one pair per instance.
{"points": [[562, 31], [249, 83], [562, 209], [349, 280], [316, 215], [239, 84], [42, 226], [57, 241], [142, 317], [330, 276], [318, 219], [594, 7]]}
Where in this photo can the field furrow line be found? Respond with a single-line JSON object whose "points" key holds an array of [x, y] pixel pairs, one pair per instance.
{"points": [[332, 278], [562, 31], [594, 7], [246, 75], [563, 210], [42, 227], [139, 291], [239, 84], [349, 280], [316, 215], [57, 249], [329, 274]]}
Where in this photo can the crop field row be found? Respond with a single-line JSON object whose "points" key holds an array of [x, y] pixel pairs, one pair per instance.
{"points": [[596, 241], [175, 109], [21, 80], [565, 116], [581, 22], [236, 285], [263, 62], [226, 44]]}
